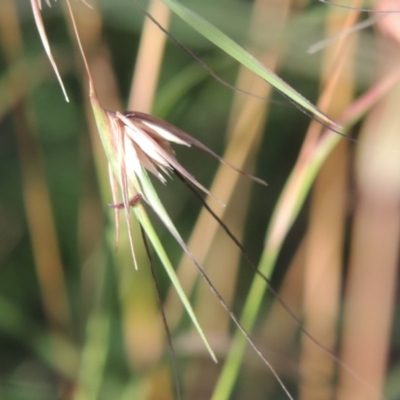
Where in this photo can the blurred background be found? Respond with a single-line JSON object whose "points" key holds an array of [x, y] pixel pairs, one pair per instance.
{"points": [[78, 322]]}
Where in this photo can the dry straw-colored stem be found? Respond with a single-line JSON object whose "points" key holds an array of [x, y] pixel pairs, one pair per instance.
{"points": [[373, 264], [149, 59], [325, 236]]}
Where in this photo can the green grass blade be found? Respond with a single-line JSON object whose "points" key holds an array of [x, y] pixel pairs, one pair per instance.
{"points": [[273, 243], [141, 215], [215, 36]]}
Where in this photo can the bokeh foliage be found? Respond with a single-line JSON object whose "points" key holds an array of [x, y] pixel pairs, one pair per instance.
{"points": [[76, 321]]}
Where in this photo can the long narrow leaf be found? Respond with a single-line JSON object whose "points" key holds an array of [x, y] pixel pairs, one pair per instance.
{"points": [[215, 36]]}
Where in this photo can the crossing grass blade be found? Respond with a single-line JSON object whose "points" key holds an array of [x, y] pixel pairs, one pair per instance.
{"points": [[285, 213], [218, 38]]}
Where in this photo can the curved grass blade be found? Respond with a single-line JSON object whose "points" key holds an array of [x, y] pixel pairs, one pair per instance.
{"points": [[36, 6], [215, 36], [204, 65], [285, 213]]}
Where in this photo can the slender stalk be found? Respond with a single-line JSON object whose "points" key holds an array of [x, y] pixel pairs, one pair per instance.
{"points": [[325, 239], [371, 285], [149, 59]]}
